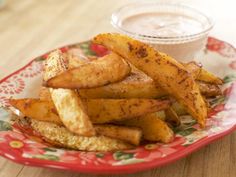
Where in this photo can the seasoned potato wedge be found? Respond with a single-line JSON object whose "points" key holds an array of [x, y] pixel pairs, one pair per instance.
{"points": [[44, 93], [153, 128], [201, 74], [37, 109], [60, 136], [139, 85], [108, 110], [164, 70], [209, 90], [136, 85], [108, 69], [99, 110], [128, 134], [74, 116], [74, 61], [45, 111]]}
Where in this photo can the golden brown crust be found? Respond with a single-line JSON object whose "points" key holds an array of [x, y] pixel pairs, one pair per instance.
{"points": [[60, 136], [164, 70], [108, 69], [67, 102]]}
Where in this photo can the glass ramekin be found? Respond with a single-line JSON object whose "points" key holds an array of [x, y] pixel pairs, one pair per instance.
{"points": [[185, 47]]}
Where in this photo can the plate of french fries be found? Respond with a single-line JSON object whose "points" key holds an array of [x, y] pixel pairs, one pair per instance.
{"points": [[116, 105]]}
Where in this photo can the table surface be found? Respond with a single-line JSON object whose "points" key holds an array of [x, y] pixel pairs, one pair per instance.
{"points": [[30, 28]]}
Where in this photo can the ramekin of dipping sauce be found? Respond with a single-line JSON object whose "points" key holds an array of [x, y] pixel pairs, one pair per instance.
{"points": [[175, 29]]}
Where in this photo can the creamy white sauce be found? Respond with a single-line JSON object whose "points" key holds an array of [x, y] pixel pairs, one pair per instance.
{"points": [[162, 24]]}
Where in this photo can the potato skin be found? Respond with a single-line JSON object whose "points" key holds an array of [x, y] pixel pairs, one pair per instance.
{"points": [[105, 70], [171, 75]]}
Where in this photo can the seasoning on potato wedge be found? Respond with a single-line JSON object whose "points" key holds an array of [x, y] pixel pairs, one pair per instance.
{"points": [[132, 95], [74, 116], [108, 69], [164, 70], [99, 110], [153, 128]]}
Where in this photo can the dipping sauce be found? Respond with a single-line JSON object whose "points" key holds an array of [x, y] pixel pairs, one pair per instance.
{"points": [[162, 24], [175, 29]]}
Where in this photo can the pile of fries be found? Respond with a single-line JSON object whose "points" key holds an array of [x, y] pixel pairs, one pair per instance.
{"points": [[114, 102]]}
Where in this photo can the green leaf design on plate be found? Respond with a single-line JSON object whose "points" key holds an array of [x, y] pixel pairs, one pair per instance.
{"points": [[120, 155], [50, 149], [218, 100], [85, 47], [229, 78], [47, 157], [5, 126], [100, 155], [187, 132]]}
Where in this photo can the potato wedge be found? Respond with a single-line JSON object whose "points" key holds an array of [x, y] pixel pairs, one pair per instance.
{"points": [[201, 74], [67, 102], [99, 110], [37, 109], [209, 90], [108, 110], [74, 61], [153, 128], [136, 85], [164, 70], [130, 135], [44, 94], [59, 136], [45, 111], [108, 69], [139, 85]]}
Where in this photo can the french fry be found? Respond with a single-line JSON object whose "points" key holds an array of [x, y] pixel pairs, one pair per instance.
{"points": [[164, 70], [153, 128], [67, 102], [99, 110], [60, 136], [128, 134], [108, 69]]}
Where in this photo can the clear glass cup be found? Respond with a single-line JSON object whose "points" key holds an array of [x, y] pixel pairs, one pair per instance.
{"points": [[183, 47]]}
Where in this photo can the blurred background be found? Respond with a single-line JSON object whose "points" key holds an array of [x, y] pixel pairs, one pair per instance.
{"points": [[30, 27]]}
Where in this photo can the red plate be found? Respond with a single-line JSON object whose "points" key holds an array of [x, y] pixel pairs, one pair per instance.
{"points": [[219, 57]]}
